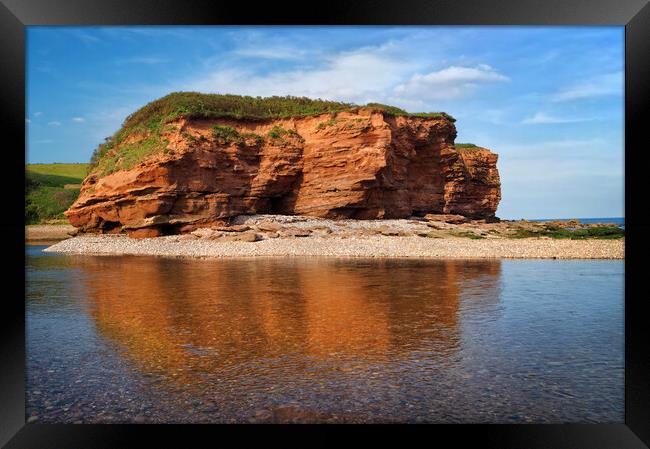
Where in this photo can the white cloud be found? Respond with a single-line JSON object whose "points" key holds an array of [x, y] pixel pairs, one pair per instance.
{"points": [[607, 84], [147, 60], [27, 120], [521, 173], [86, 38], [450, 82], [271, 52], [107, 120], [558, 151], [148, 32], [493, 116], [543, 118], [78, 119], [357, 76], [564, 143], [38, 114], [369, 74], [54, 123]]}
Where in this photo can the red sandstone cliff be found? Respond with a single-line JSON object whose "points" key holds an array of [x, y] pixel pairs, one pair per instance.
{"points": [[363, 164]]}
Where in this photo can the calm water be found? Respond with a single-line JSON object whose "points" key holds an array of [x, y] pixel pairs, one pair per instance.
{"points": [[143, 339]]}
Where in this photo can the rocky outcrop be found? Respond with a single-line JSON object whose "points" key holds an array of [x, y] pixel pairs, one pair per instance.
{"points": [[361, 164]]}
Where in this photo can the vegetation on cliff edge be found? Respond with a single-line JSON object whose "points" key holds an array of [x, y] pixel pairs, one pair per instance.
{"points": [[150, 120]]}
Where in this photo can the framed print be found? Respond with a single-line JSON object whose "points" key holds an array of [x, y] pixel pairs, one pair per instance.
{"points": [[405, 220]]}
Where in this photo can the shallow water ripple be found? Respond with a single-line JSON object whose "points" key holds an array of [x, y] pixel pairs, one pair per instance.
{"points": [[145, 339]]}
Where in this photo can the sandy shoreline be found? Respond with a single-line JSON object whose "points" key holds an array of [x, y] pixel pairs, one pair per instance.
{"points": [[47, 232], [367, 246]]}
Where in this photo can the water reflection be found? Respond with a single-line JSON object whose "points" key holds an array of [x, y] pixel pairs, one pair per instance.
{"points": [[185, 319], [144, 339]]}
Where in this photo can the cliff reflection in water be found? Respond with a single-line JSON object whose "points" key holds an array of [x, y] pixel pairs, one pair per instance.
{"points": [[145, 339], [188, 321]]}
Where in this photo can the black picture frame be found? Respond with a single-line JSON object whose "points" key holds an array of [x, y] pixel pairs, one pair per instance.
{"points": [[15, 15]]}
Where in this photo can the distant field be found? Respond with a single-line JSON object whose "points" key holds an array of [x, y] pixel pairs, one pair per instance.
{"points": [[77, 171], [50, 189]]}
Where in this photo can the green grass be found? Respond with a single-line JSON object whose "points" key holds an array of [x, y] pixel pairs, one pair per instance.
{"points": [[465, 145], [278, 133], [555, 232], [225, 134], [392, 110], [151, 120], [45, 195], [468, 234], [76, 171], [47, 203], [256, 138], [330, 122], [52, 180], [189, 137], [130, 154]]}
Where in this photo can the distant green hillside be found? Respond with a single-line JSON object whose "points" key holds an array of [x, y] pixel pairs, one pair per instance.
{"points": [[50, 189], [76, 171]]}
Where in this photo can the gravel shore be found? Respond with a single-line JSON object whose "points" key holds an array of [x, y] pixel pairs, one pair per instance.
{"points": [[365, 246]]}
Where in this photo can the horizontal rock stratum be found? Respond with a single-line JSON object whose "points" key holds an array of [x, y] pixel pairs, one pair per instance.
{"points": [[169, 172]]}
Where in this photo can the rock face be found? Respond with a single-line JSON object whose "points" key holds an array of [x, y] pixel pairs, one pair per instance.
{"points": [[363, 164]]}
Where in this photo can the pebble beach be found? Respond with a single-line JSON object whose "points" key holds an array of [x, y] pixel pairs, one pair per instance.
{"points": [[287, 236], [372, 246]]}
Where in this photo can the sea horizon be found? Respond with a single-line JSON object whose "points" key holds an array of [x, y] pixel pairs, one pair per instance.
{"points": [[620, 221]]}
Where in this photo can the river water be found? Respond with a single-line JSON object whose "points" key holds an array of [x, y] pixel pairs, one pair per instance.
{"points": [[146, 339]]}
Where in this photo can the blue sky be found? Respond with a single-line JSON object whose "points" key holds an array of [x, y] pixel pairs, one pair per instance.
{"points": [[548, 100]]}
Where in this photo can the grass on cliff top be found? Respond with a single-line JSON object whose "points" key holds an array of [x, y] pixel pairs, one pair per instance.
{"points": [[465, 145], [392, 110], [50, 189], [198, 105], [151, 118]]}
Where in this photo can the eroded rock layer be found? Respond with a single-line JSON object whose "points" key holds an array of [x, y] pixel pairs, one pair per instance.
{"points": [[363, 164]]}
